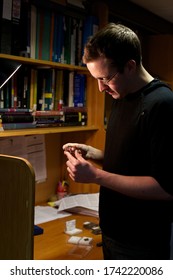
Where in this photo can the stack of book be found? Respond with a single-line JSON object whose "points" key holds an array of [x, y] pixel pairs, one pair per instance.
{"points": [[16, 119], [67, 116]]}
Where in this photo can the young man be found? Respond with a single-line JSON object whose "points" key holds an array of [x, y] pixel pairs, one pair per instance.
{"points": [[136, 183]]}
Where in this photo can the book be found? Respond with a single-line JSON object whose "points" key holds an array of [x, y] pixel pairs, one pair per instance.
{"points": [[67, 39], [40, 89], [16, 27], [33, 26], [14, 92], [1, 98], [45, 44], [33, 90], [71, 89], [48, 94], [90, 28], [10, 117], [75, 118], [73, 109], [78, 44], [58, 38], [8, 126], [5, 27], [59, 88], [12, 110], [26, 88], [25, 26], [39, 33], [74, 27], [79, 90], [47, 113], [60, 118]]}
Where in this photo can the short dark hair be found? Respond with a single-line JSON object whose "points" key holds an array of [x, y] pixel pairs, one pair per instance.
{"points": [[115, 42]]}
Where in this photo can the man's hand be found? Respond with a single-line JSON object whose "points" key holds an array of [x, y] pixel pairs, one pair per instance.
{"points": [[86, 151], [79, 169]]}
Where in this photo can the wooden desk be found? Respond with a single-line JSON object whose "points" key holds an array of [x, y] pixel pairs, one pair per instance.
{"points": [[52, 244]]}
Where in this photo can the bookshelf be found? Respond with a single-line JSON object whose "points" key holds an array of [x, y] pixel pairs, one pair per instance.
{"points": [[93, 133]]}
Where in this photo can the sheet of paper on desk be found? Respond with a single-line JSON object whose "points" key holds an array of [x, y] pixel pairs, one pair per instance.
{"points": [[45, 214], [86, 204]]}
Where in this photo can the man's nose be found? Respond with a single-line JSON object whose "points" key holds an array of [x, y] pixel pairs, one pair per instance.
{"points": [[102, 86]]}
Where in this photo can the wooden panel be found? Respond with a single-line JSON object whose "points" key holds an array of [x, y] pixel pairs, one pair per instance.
{"points": [[158, 56], [54, 155], [17, 190]]}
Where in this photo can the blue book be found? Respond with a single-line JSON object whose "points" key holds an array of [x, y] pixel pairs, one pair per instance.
{"points": [[90, 28], [79, 90]]}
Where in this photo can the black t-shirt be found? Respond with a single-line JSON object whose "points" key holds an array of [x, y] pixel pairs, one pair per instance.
{"points": [[139, 142]]}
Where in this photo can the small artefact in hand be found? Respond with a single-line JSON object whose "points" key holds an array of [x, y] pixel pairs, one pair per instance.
{"points": [[72, 149]]}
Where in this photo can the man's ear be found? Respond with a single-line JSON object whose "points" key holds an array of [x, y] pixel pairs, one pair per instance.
{"points": [[131, 65]]}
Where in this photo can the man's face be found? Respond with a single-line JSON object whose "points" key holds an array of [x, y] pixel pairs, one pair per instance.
{"points": [[109, 79]]}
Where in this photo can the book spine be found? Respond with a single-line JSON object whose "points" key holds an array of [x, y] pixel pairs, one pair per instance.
{"points": [[74, 109], [75, 117], [25, 25], [7, 126], [33, 26], [16, 32], [16, 118], [33, 89], [49, 89], [47, 100], [5, 26], [12, 110], [14, 92], [78, 46], [79, 90], [45, 45], [48, 113], [71, 89], [67, 40], [26, 92], [2, 98], [59, 88]]}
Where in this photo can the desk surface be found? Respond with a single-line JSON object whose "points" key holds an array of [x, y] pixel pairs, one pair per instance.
{"points": [[52, 244]]}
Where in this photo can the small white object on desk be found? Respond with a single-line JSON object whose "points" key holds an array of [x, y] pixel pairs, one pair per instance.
{"points": [[80, 240], [71, 228]]}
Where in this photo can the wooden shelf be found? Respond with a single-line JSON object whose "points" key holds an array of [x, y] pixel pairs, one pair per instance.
{"points": [[47, 130], [44, 63]]}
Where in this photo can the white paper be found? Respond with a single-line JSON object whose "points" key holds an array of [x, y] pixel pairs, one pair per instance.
{"points": [[86, 204], [31, 148], [45, 214], [35, 149]]}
